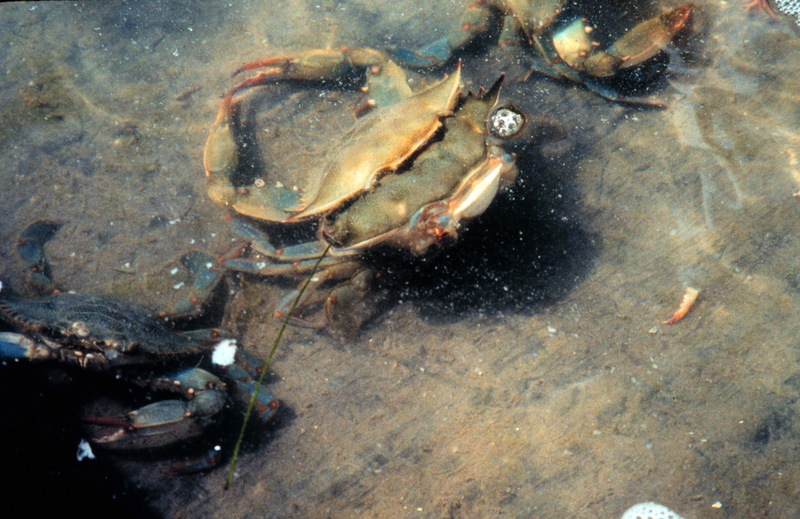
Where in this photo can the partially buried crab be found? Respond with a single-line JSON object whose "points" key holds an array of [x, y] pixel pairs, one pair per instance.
{"points": [[116, 336], [409, 174]]}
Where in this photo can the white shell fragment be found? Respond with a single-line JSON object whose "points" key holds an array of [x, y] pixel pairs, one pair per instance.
{"points": [[649, 510], [84, 451], [224, 352], [790, 7]]}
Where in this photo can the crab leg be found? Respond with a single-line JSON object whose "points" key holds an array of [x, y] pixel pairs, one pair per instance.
{"points": [[244, 373], [574, 45], [762, 5], [206, 276], [338, 301], [316, 65], [343, 298], [642, 42], [474, 22], [386, 82], [221, 161], [205, 462], [261, 243]]}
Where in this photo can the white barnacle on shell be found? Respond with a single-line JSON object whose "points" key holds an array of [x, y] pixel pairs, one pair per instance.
{"points": [[505, 122], [79, 329]]}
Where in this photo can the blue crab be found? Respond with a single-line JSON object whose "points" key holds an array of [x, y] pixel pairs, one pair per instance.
{"points": [[409, 174], [565, 45], [116, 336]]}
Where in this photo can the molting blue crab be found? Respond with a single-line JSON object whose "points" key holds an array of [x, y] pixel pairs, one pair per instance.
{"points": [[565, 45], [409, 174], [116, 336]]}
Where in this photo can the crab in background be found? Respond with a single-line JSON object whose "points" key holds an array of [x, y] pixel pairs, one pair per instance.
{"points": [[564, 45]]}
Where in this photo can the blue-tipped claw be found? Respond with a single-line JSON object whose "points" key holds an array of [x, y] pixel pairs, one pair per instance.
{"points": [[15, 346]]}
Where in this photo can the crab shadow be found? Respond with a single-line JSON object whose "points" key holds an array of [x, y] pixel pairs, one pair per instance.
{"points": [[527, 251], [41, 432]]}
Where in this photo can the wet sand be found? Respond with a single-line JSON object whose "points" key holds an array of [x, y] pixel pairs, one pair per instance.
{"points": [[525, 372]]}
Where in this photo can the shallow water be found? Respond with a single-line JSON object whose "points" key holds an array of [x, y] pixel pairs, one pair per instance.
{"points": [[526, 372]]}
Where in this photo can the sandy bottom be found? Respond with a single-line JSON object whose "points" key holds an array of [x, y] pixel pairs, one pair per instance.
{"points": [[526, 371]]}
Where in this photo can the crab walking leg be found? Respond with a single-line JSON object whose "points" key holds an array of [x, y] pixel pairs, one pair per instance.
{"points": [[260, 242], [244, 372], [343, 298], [355, 272]]}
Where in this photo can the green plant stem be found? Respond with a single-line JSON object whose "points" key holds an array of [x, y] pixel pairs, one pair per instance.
{"points": [[265, 368]]}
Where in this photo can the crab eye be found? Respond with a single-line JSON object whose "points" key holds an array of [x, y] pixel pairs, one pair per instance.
{"points": [[506, 122]]}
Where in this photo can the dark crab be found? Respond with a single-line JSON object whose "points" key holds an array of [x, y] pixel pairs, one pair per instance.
{"points": [[116, 336]]}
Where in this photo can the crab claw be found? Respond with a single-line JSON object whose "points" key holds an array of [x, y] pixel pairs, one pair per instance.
{"points": [[221, 155], [167, 421], [221, 161], [639, 44], [15, 346], [762, 5], [206, 275], [30, 249]]}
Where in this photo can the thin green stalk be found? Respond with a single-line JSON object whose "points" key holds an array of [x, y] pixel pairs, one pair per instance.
{"points": [[265, 368]]}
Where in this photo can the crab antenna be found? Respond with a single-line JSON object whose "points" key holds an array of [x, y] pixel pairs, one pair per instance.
{"points": [[265, 368]]}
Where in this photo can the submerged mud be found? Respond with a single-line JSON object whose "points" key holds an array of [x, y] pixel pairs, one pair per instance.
{"points": [[524, 372]]}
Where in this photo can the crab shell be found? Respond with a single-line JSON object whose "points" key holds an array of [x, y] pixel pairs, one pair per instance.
{"points": [[96, 330], [452, 180], [380, 142], [377, 144]]}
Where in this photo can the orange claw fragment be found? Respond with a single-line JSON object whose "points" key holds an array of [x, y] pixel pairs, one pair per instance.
{"points": [[688, 300], [762, 5]]}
